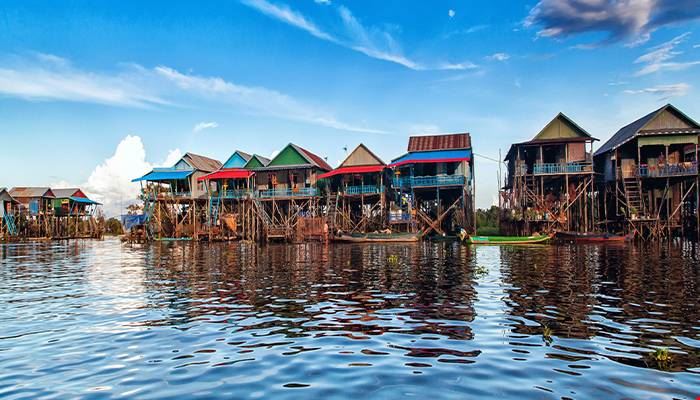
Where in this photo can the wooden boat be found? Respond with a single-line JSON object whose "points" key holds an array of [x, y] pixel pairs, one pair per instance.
{"points": [[377, 238], [589, 237], [496, 240]]}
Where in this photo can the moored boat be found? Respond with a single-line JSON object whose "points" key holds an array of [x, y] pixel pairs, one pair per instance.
{"points": [[378, 238], [591, 237], [496, 240]]}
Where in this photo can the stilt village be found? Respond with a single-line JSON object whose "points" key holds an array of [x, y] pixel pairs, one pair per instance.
{"points": [[642, 183]]}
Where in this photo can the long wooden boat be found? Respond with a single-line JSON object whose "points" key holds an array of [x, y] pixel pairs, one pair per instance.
{"points": [[508, 239], [590, 237], [378, 238]]}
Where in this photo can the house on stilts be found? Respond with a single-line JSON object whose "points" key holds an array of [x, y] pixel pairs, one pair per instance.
{"points": [[175, 202], [550, 182], [8, 215], [229, 213], [355, 193], [433, 186], [287, 198], [649, 172], [35, 217], [75, 215]]}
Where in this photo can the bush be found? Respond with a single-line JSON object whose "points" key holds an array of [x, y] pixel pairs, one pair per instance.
{"points": [[113, 227]]}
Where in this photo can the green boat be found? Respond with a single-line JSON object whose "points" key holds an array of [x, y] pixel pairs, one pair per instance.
{"points": [[507, 239]]}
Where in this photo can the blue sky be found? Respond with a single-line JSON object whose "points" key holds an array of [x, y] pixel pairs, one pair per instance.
{"points": [[94, 93]]}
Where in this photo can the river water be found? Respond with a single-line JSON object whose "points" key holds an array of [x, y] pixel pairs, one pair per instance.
{"points": [[99, 319]]}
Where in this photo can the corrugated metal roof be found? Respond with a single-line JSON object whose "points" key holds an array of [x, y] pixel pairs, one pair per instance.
{"points": [[631, 130], [202, 163], [83, 200], [227, 173], [263, 160], [313, 158], [419, 157], [450, 141], [32, 192], [64, 193], [5, 196], [364, 169], [165, 174]]}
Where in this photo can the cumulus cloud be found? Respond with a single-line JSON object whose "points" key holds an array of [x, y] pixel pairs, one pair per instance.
{"points": [[660, 57], [663, 92], [618, 19], [498, 57], [451, 13], [110, 181], [50, 78], [348, 32], [204, 125]]}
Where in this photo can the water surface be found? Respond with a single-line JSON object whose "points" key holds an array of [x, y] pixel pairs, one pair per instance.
{"points": [[98, 319]]}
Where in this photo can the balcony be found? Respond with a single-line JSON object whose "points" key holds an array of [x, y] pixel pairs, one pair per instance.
{"points": [[364, 189], [281, 193], [561, 168], [166, 195], [668, 170], [429, 181], [234, 194], [399, 217]]}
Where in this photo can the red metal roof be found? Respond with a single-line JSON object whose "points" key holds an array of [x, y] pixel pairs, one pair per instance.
{"points": [[440, 142], [229, 173], [320, 162], [365, 169]]}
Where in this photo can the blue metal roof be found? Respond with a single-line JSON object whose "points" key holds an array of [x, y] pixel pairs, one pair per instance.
{"points": [[165, 174], [433, 156], [83, 200]]}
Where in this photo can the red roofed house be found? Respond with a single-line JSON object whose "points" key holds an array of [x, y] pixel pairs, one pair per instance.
{"points": [[356, 190]]}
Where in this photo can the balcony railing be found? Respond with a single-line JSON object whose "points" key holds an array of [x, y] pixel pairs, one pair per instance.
{"points": [[561, 168], [165, 195], [399, 217], [668, 170], [429, 181], [234, 194], [364, 189], [298, 192]]}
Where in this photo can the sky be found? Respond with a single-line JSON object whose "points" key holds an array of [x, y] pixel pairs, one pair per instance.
{"points": [[94, 94]]}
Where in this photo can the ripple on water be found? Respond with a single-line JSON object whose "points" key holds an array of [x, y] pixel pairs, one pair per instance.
{"points": [[98, 319]]}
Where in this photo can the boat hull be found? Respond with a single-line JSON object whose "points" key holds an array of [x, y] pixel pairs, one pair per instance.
{"points": [[593, 237], [510, 240], [377, 238]]}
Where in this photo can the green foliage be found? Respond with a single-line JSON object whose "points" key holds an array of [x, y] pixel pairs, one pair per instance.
{"points": [[487, 221], [113, 227]]}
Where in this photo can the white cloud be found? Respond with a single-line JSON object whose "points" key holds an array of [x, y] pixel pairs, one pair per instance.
{"points": [[349, 33], [458, 66], [50, 78], [110, 182], [663, 91], [659, 57], [498, 57], [451, 13], [204, 125], [256, 100], [423, 129]]}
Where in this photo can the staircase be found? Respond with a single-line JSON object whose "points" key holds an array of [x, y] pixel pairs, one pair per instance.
{"points": [[530, 190], [214, 210], [633, 195], [10, 224]]}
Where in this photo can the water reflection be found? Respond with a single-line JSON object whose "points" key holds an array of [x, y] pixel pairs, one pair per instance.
{"points": [[438, 319]]}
